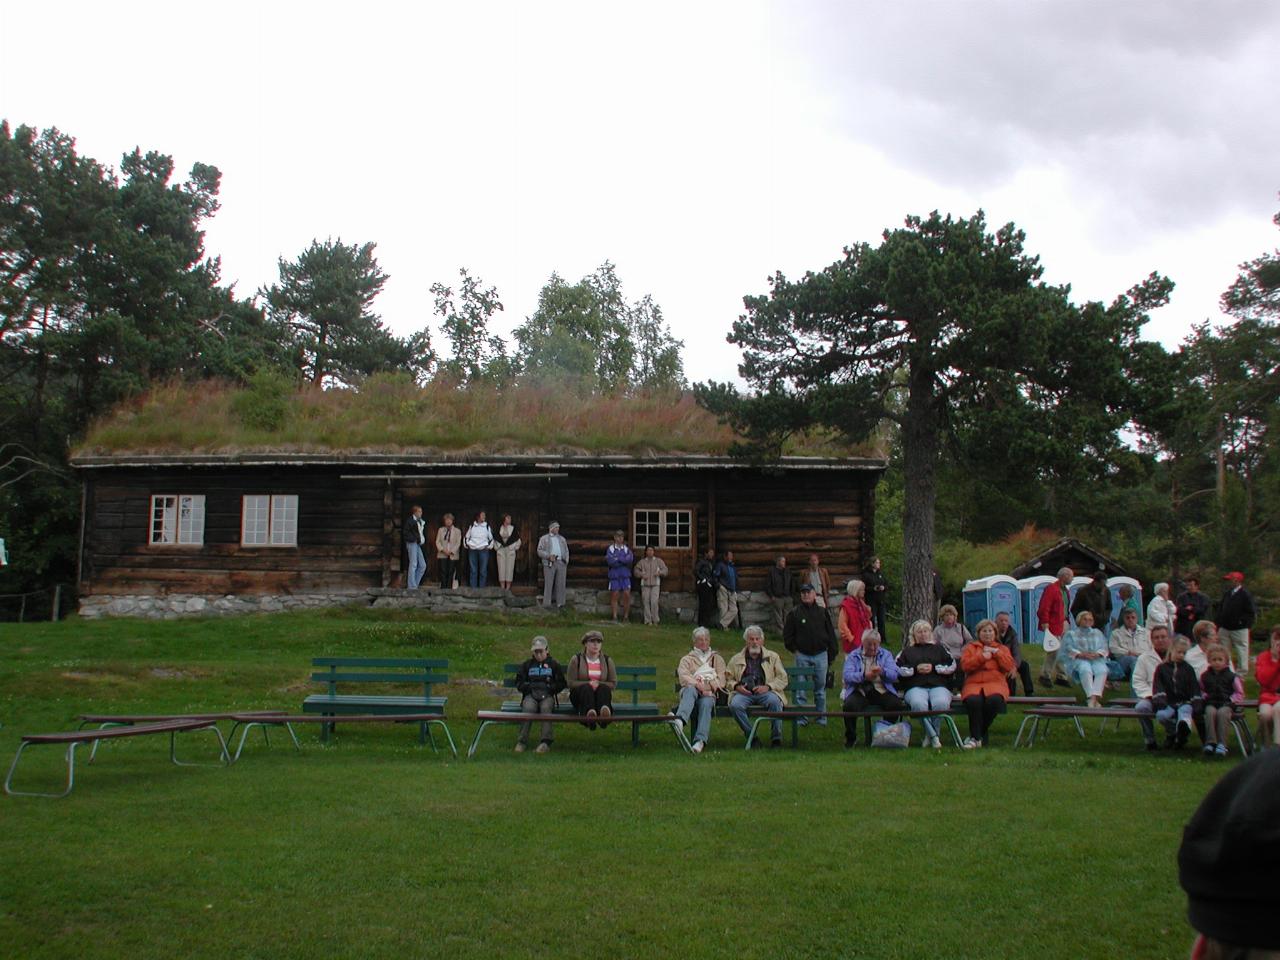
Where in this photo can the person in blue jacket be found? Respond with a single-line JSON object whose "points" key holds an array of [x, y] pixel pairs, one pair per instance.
{"points": [[870, 680], [619, 559]]}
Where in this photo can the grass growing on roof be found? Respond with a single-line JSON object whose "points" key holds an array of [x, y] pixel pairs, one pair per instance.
{"points": [[375, 847], [390, 413]]}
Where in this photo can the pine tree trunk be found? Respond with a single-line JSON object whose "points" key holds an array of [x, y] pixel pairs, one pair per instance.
{"points": [[920, 447]]}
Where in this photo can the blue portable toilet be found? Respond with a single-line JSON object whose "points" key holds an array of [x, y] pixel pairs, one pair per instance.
{"points": [[1030, 589], [987, 596], [1114, 585]]}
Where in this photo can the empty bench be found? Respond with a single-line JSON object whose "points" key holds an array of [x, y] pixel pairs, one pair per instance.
{"points": [[375, 673], [73, 739], [630, 679]]}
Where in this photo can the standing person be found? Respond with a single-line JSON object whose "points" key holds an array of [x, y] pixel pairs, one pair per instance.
{"points": [[854, 617], [650, 570], [1007, 634], [986, 663], [870, 680], [1051, 616], [779, 588], [1223, 694], [816, 574], [704, 582], [1128, 642], [448, 547], [1095, 597], [809, 635], [414, 538], [757, 678], [1144, 675], [1192, 607], [1176, 694], [1161, 609], [1236, 616], [727, 590], [877, 594], [508, 543], [539, 680], [479, 541], [1267, 673], [592, 677], [925, 669], [619, 559], [553, 551], [1085, 650], [702, 679]]}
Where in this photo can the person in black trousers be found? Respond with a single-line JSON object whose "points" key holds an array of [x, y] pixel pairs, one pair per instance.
{"points": [[592, 677], [877, 594], [705, 582]]}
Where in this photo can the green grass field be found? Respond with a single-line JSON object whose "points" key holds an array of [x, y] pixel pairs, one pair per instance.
{"points": [[376, 847]]}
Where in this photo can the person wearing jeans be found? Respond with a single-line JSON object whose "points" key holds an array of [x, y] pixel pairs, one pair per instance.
{"points": [[538, 682], [1144, 675], [809, 635], [413, 541], [702, 677], [925, 669], [757, 678], [479, 542], [1177, 694]]}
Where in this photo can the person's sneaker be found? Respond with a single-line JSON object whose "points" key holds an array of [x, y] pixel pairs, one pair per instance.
{"points": [[698, 745], [775, 744], [605, 713], [1222, 750], [821, 721], [519, 748], [969, 743], [543, 747], [802, 722], [1209, 749]]}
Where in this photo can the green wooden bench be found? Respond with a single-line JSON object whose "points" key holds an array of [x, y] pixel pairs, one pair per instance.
{"points": [[630, 679], [381, 671]]}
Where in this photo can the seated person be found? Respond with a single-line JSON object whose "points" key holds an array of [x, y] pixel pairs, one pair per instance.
{"points": [[1267, 672], [1176, 695], [924, 671], [1144, 675], [538, 681], [953, 635], [592, 677], [757, 678], [870, 680], [1128, 642], [986, 663], [1007, 635], [1223, 695], [1084, 649], [701, 672]]}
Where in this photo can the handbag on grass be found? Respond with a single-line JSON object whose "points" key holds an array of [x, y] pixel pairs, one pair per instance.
{"points": [[891, 735]]}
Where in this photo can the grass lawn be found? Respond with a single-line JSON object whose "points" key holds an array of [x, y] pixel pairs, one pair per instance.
{"points": [[376, 847]]}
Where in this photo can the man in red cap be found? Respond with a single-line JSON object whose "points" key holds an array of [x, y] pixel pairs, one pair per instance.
{"points": [[1236, 614]]}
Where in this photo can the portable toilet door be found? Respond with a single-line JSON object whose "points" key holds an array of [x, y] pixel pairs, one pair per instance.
{"points": [[987, 596], [1114, 585], [1072, 590], [1031, 589]]}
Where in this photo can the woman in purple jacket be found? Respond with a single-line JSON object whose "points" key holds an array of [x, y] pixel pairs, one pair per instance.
{"points": [[870, 678], [620, 560]]}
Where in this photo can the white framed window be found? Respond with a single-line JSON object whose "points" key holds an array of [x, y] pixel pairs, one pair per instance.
{"points": [[269, 520], [177, 518], [663, 529]]}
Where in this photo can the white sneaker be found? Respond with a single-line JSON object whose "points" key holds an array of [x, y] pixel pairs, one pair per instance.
{"points": [[678, 721], [936, 743], [969, 743], [697, 746]]}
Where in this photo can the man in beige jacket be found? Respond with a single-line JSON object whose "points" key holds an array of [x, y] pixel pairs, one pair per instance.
{"points": [[650, 572], [757, 678]]}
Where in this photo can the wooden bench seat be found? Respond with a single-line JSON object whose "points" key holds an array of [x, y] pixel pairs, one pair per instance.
{"points": [[636, 680], [379, 671], [489, 717], [75, 738], [251, 720], [947, 717]]}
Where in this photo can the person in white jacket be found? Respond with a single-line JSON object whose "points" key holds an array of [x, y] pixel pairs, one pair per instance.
{"points": [[479, 544], [1144, 674], [1161, 609]]}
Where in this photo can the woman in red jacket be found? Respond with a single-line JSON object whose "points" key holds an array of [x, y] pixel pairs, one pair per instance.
{"points": [[1267, 671], [855, 616], [987, 664]]}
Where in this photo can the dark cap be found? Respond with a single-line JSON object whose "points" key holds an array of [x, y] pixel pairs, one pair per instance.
{"points": [[806, 587], [1227, 859]]}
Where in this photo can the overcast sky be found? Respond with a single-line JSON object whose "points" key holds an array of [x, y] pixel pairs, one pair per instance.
{"points": [[699, 146]]}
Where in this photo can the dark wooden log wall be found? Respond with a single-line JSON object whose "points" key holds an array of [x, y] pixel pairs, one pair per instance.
{"points": [[349, 531]]}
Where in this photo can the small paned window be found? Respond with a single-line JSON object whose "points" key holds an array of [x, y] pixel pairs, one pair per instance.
{"points": [[177, 518], [663, 529], [269, 520]]}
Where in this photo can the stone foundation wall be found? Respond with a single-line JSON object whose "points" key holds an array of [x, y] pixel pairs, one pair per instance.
{"points": [[675, 607]]}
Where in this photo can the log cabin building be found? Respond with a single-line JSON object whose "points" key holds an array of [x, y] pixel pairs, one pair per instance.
{"points": [[325, 524]]}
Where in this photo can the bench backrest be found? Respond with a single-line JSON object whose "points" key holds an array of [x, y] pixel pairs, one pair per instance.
{"points": [[629, 678], [803, 680], [380, 670]]}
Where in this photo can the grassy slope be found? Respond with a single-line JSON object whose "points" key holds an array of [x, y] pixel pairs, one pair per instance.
{"points": [[376, 847]]}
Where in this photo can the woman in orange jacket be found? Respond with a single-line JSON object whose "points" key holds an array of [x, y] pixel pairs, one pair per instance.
{"points": [[987, 664]]}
